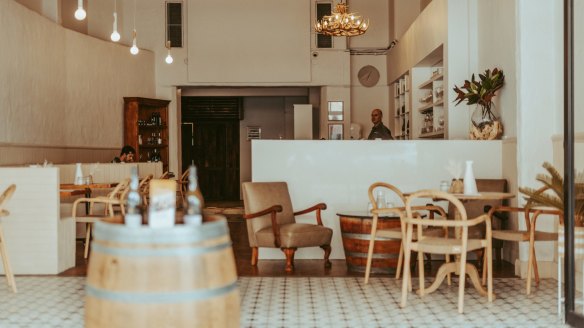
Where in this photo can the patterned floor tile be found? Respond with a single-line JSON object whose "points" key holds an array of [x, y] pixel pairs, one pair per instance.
{"points": [[310, 302]]}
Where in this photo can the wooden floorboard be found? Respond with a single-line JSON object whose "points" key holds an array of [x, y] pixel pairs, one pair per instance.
{"points": [[275, 268]]}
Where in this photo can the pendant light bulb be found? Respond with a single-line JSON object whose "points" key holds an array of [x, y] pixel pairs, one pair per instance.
{"points": [[80, 13], [134, 50], [115, 35], [168, 58]]}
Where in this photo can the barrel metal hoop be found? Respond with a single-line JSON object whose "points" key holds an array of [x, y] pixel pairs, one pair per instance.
{"points": [[362, 236], [160, 252], [178, 234], [375, 256], [159, 298]]}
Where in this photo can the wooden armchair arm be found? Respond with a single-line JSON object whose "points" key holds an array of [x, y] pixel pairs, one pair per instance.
{"points": [[272, 209], [318, 207], [275, 227]]}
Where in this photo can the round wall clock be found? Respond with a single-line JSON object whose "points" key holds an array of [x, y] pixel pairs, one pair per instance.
{"points": [[368, 76]]}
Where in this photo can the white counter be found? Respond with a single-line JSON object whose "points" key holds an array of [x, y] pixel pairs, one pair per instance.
{"points": [[339, 173]]}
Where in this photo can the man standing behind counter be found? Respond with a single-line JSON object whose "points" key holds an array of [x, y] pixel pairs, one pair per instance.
{"points": [[378, 131]]}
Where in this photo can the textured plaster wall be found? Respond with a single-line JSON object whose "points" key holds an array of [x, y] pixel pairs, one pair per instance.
{"points": [[61, 89]]}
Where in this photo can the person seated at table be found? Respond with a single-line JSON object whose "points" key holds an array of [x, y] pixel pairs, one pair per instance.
{"points": [[126, 155]]}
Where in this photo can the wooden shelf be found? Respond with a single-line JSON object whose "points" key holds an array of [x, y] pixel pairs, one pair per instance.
{"points": [[153, 146], [152, 127], [432, 135], [426, 108], [428, 84]]}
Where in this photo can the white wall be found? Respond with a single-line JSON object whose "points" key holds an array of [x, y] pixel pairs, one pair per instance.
{"points": [[254, 35], [579, 65], [426, 33], [364, 99], [406, 12], [377, 11], [63, 90], [540, 96], [274, 115], [497, 48], [460, 62]]}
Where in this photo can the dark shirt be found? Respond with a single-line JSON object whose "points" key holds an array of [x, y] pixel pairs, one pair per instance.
{"points": [[380, 131], [116, 160]]}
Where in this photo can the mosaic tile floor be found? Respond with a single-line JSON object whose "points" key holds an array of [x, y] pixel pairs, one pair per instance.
{"points": [[309, 302]]}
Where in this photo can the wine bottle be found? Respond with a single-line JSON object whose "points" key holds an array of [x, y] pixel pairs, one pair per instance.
{"points": [[133, 216], [194, 215]]}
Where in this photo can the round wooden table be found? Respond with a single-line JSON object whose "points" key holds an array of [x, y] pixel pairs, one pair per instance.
{"points": [[356, 232]]}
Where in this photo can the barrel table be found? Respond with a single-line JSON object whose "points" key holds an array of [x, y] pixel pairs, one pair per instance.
{"points": [[356, 232], [182, 276]]}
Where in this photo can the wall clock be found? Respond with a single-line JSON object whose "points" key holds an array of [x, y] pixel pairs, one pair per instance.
{"points": [[368, 76]]}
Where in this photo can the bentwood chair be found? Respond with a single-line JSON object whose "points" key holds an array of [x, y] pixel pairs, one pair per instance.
{"points": [[115, 198], [458, 245], [398, 232], [144, 188], [530, 233], [6, 195], [271, 222]]}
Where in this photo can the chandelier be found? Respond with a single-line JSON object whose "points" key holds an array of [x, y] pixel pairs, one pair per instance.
{"points": [[341, 23]]}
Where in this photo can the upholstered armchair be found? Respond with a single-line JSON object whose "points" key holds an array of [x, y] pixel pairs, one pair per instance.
{"points": [[271, 222]]}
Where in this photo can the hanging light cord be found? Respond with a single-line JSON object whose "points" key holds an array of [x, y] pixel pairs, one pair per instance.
{"points": [[134, 15]]}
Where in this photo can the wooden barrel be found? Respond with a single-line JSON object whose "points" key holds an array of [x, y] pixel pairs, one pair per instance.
{"points": [[356, 233], [183, 276]]}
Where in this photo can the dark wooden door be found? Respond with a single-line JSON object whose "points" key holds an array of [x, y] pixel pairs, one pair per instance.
{"points": [[215, 152]]}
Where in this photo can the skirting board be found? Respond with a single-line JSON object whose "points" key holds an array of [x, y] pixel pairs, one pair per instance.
{"points": [[549, 269]]}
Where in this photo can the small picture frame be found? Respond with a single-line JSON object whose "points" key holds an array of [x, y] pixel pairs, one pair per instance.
{"points": [[335, 110], [335, 131]]}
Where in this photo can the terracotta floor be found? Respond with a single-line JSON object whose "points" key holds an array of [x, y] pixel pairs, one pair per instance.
{"points": [[275, 268]]}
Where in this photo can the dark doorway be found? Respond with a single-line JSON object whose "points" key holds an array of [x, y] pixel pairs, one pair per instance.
{"points": [[210, 140]]}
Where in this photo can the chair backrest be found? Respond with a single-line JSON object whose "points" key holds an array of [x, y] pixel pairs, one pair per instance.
{"points": [[476, 208], [382, 185], [120, 191], [454, 204], [7, 194], [258, 196], [145, 184]]}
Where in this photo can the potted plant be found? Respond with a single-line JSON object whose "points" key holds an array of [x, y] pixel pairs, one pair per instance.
{"points": [[486, 123], [554, 197]]}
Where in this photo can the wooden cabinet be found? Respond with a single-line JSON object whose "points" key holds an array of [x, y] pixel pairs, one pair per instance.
{"points": [[146, 128]]}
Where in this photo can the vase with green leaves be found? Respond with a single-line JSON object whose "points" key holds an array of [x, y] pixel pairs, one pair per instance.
{"points": [[486, 123]]}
